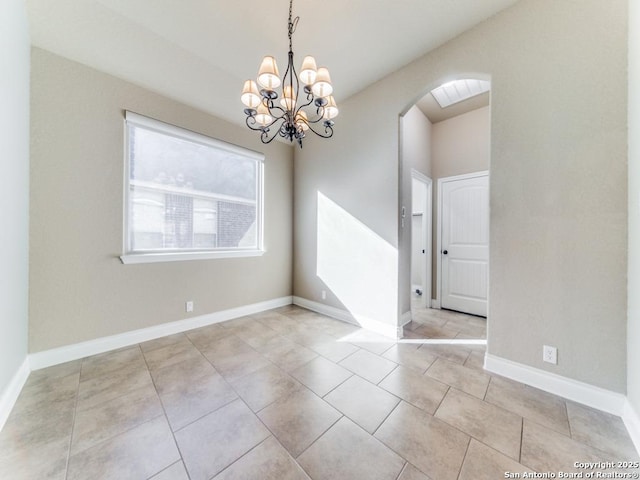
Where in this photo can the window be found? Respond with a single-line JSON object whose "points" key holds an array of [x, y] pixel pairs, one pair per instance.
{"points": [[188, 196]]}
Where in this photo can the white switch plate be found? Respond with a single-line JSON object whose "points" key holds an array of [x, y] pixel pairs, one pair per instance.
{"points": [[188, 306], [550, 354]]}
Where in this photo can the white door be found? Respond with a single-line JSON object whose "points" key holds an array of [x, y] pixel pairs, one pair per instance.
{"points": [[465, 243]]}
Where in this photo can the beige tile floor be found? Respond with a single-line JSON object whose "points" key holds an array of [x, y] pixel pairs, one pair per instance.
{"points": [[290, 394]]}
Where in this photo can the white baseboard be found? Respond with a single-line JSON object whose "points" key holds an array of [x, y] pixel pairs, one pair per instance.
{"points": [[375, 326], [405, 318], [580, 392], [631, 420], [435, 303], [68, 353], [12, 391]]}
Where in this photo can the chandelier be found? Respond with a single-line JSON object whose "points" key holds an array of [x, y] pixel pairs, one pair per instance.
{"points": [[299, 111]]}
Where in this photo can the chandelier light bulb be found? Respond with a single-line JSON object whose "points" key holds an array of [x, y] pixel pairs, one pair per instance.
{"points": [[308, 70], [250, 95], [263, 117], [330, 109], [288, 100], [322, 86], [268, 75], [302, 120]]}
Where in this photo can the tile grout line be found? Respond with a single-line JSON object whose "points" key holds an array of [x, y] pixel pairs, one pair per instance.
{"points": [[389, 446], [277, 399], [404, 467], [454, 426], [337, 386], [385, 351], [166, 417], [486, 392], [385, 418], [167, 468], [521, 440], [566, 411], [73, 422], [464, 457], [298, 366], [244, 375], [449, 387], [350, 355], [200, 417], [385, 377], [322, 434], [244, 455], [433, 362]]}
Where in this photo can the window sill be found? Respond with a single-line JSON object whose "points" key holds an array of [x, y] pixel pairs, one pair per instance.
{"points": [[131, 258]]}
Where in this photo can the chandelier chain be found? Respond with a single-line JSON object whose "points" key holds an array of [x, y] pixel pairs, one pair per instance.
{"points": [[292, 24]]}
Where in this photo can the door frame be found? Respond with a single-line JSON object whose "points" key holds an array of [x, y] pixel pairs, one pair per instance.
{"points": [[437, 303], [427, 233]]}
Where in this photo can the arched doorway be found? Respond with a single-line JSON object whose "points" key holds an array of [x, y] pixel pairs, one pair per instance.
{"points": [[457, 142]]}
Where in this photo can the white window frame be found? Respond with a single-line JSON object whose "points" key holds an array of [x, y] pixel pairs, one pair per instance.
{"points": [[133, 257]]}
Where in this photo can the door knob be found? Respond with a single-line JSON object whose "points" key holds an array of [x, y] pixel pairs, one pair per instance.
{"points": [[444, 252]]}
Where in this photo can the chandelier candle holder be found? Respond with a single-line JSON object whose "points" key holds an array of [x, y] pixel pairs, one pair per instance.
{"points": [[311, 108]]}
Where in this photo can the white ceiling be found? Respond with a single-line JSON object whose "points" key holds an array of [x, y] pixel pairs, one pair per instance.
{"points": [[200, 51]]}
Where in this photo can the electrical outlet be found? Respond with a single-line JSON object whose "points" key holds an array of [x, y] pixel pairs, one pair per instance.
{"points": [[324, 294], [550, 354], [188, 306]]}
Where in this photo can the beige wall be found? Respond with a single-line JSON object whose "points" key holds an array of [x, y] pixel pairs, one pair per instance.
{"points": [[357, 170], [558, 181], [459, 145], [79, 289], [14, 194], [633, 291], [558, 193], [416, 146]]}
